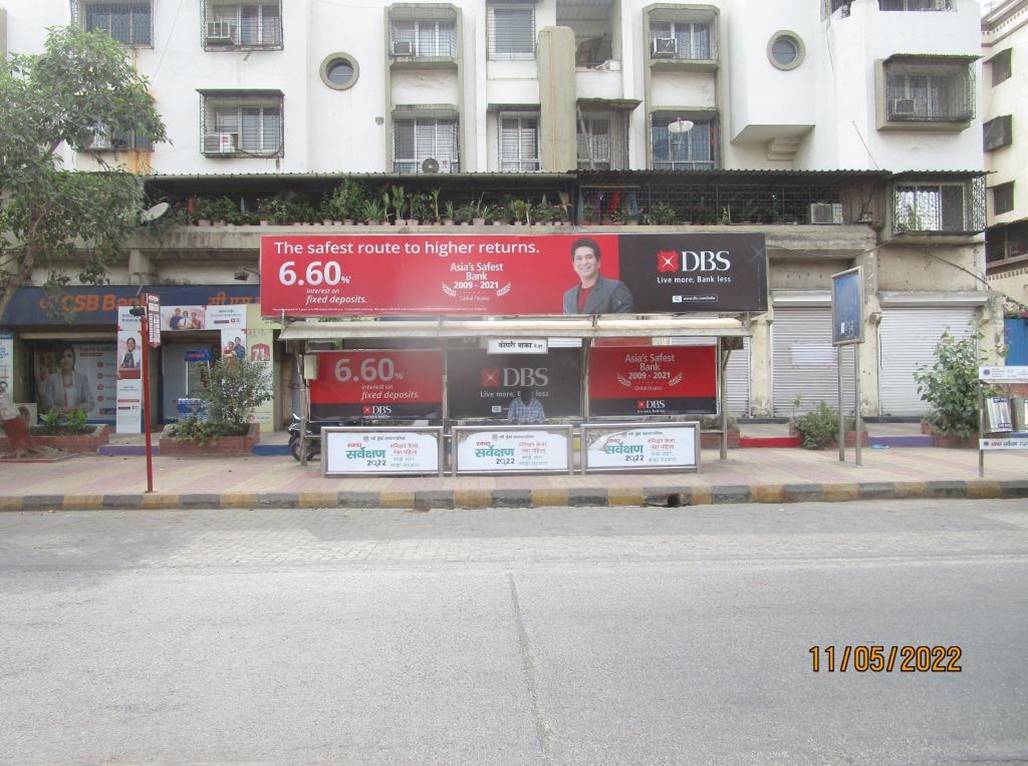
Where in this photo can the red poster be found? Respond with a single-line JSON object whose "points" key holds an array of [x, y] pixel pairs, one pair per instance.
{"points": [[652, 380], [378, 384], [434, 274]]}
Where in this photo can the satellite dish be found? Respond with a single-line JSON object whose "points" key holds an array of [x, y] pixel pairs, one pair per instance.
{"points": [[155, 212], [430, 165]]}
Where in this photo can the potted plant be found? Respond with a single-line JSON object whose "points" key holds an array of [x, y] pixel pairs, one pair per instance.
{"points": [[450, 215], [373, 212], [420, 206], [231, 389], [347, 201], [464, 214], [950, 387], [661, 214]]}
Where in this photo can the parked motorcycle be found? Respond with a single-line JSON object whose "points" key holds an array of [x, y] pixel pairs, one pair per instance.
{"points": [[313, 435]]}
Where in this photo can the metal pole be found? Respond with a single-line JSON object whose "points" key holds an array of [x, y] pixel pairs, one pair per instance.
{"points": [[445, 423], [304, 409], [858, 420], [582, 446], [981, 423], [723, 355], [145, 353], [842, 414]]}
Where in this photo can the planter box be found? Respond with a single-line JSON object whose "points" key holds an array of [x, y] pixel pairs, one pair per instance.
{"points": [[226, 445], [949, 442], [851, 438], [83, 443]]}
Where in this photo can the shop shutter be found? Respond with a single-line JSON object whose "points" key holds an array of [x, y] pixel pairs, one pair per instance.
{"points": [[907, 339], [804, 362], [738, 373]]}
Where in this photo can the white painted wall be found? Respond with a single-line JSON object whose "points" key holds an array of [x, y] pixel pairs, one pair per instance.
{"points": [[331, 131]]}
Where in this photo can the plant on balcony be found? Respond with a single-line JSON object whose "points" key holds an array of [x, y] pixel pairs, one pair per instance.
{"points": [[347, 201], [545, 213], [372, 212], [661, 214], [394, 200], [421, 208], [465, 213], [520, 212]]}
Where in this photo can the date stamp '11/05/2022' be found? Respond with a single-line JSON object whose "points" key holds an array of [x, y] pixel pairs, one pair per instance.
{"points": [[877, 658]]}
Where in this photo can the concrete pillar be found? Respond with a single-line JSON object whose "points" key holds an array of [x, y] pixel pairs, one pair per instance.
{"points": [[868, 350], [992, 344], [558, 148], [761, 352], [140, 268]]}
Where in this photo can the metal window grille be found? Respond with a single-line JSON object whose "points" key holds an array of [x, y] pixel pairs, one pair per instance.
{"points": [[519, 142], [1003, 198], [1000, 65], [511, 32], [118, 140], [915, 5], [241, 125], [603, 141], [692, 40], [129, 23], [692, 150], [248, 25], [828, 7], [417, 140], [956, 207], [707, 202], [929, 92], [997, 133], [426, 37]]}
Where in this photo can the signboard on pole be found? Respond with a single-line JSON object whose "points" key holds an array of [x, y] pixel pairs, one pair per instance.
{"points": [[381, 451], [847, 307], [129, 360], [642, 447], [381, 385], [485, 275], [512, 449], [153, 320], [652, 380]]}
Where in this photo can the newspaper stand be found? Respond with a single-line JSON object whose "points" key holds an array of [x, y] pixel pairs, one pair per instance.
{"points": [[1002, 417]]}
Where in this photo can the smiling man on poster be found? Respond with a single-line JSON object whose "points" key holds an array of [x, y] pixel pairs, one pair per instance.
{"points": [[595, 294]]}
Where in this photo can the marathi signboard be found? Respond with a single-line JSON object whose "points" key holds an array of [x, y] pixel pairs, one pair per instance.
{"points": [[482, 385], [514, 449], [384, 385], [640, 447], [512, 275], [1012, 374], [652, 380], [847, 307], [1003, 444], [391, 451]]}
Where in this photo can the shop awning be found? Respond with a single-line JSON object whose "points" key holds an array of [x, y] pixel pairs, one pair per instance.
{"points": [[564, 327]]}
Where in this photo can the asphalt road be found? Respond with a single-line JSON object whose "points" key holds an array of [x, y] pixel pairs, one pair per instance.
{"points": [[554, 636]]}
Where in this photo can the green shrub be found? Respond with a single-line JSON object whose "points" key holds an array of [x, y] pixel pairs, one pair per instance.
{"points": [[54, 423], [233, 388], [950, 386], [347, 201], [820, 426], [204, 431]]}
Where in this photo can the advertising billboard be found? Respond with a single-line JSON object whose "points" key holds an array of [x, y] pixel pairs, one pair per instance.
{"points": [[481, 275], [652, 380], [847, 307], [483, 385], [380, 385]]}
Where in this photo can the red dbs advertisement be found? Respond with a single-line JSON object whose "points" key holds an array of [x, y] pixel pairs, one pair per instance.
{"points": [[429, 274], [378, 384], [652, 380]]}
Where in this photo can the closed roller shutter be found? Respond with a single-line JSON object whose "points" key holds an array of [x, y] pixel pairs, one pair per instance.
{"points": [[738, 373], [804, 362], [907, 338]]}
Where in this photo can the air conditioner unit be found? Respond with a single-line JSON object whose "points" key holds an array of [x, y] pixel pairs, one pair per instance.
{"points": [[223, 32], [221, 143], [664, 47], [826, 213], [903, 107], [403, 48]]}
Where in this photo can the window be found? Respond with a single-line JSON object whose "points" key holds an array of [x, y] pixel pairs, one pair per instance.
{"points": [[511, 32], [915, 5], [339, 71], [519, 142], [676, 146], [680, 40], [928, 91], [1003, 198], [129, 23], [417, 140], [424, 38], [241, 125], [257, 25], [930, 207], [785, 50], [118, 140], [603, 141], [1001, 70], [998, 132]]}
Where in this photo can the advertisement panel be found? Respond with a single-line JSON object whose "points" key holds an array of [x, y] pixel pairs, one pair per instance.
{"points": [[72, 376], [482, 385], [7, 361], [352, 451], [387, 384], [642, 447], [652, 380], [847, 307], [525, 449], [130, 386], [512, 275]]}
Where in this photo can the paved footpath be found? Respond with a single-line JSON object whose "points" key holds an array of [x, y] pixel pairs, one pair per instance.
{"points": [[765, 475]]}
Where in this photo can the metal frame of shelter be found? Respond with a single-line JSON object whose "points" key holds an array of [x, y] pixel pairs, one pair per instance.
{"points": [[727, 330]]}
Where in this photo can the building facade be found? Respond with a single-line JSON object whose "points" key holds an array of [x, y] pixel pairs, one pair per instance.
{"points": [[847, 132]]}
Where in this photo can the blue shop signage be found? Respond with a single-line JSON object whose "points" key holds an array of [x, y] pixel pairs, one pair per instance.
{"points": [[99, 305]]}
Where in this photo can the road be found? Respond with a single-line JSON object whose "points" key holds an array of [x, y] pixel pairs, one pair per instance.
{"points": [[548, 636]]}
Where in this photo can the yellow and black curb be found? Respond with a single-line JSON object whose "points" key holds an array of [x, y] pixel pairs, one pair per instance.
{"points": [[668, 495]]}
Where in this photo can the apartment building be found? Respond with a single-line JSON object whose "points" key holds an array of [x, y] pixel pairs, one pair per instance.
{"points": [[848, 132]]}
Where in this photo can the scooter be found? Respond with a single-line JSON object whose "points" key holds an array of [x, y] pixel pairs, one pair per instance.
{"points": [[313, 435]]}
